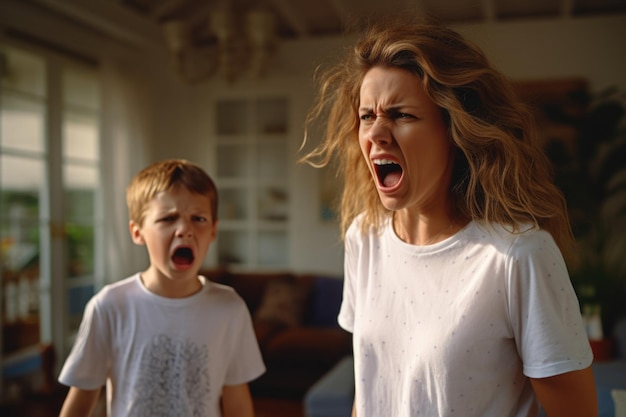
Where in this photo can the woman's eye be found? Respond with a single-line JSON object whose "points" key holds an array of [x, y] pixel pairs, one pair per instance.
{"points": [[366, 117], [400, 115]]}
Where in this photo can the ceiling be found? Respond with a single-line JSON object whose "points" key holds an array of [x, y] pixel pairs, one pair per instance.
{"points": [[306, 18], [194, 31], [141, 22]]}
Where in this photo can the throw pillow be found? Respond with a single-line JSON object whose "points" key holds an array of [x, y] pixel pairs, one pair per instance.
{"points": [[327, 297], [619, 399], [283, 302]]}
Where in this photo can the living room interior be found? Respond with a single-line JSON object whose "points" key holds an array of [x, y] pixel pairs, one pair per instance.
{"points": [[180, 79]]}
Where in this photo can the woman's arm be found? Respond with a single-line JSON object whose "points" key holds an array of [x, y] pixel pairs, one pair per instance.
{"points": [[572, 394], [237, 401], [79, 402]]}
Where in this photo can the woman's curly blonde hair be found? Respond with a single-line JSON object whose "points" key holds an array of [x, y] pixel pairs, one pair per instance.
{"points": [[501, 174]]}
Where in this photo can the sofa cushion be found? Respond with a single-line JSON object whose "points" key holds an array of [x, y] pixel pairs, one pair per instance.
{"points": [[327, 296], [619, 399], [283, 302], [333, 394], [308, 346]]}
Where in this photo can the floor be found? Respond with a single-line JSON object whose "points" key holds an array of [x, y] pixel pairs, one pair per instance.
{"points": [[267, 407], [49, 406]]}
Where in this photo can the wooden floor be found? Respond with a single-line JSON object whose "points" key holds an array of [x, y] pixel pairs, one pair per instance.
{"points": [[269, 407]]}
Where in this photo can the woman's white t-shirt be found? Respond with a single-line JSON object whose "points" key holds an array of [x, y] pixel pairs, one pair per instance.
{"points": [[456, 328]]}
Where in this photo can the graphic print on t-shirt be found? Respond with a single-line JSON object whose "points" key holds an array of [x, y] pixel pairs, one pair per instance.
{"points": [[174, 379]]}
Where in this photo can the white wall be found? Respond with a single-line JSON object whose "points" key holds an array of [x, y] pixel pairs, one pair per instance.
{"points": [[592, 48], [180, 115], [184, 115]]}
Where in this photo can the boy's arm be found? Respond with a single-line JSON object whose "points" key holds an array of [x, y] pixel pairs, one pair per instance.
{"points": [[79, 402], [567, 395], [237, 401]]}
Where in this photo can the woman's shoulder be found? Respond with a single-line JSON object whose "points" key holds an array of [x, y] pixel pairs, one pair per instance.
{"points": [[362, 226], [518, 240]]}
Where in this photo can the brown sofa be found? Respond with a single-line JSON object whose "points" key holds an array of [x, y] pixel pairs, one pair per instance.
{"points": [[295, 321]]}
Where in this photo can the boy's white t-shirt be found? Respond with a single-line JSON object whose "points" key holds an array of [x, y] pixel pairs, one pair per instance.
{"points": [[162, 356], [457, 327]]}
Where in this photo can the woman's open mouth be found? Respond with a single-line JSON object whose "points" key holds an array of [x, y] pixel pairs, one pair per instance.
{"points": [[388, 172]]}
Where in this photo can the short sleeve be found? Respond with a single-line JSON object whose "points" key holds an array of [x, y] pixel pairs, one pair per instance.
{"points": [[346, 312], [246, 362], [544, 310], [87, 365]]}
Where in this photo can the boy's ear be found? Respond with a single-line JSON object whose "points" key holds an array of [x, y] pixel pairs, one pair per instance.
{"points": [[214, 231], [135, 233]]}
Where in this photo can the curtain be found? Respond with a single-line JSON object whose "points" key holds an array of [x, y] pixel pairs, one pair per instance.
{"points": [[125, 133]]}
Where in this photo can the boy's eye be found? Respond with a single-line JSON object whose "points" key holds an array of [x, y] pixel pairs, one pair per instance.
{"points": [[199, 218], [167, 218]]}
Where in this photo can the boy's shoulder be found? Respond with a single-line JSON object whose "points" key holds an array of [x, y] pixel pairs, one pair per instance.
{"points": [[123, 284], [124, 287], [131, 290], [218, 289]]}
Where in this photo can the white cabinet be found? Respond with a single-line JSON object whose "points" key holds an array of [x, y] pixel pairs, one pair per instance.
{"points": [[253, 165]]}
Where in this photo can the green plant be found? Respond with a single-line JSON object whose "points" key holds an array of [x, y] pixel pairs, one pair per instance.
{"points": [[591, 171]]}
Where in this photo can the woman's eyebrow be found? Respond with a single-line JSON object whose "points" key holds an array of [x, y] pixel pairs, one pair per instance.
{"points": [[391, 109]]}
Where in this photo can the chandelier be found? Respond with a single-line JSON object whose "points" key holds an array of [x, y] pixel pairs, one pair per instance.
{"points": [[227, 44]]}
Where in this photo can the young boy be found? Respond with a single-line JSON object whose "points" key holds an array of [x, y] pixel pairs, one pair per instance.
{"points": [[166, 341]]}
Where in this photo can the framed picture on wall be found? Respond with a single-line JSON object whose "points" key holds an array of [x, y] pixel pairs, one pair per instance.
{"points": [[329, 193]]}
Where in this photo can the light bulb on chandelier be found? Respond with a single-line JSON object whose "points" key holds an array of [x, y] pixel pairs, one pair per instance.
{"points": [[220, 46]]}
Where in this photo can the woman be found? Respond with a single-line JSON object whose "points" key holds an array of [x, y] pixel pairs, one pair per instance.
{"points": [[456, 290]]}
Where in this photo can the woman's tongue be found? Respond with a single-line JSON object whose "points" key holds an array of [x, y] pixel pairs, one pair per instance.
{"points": [[392, 179]]}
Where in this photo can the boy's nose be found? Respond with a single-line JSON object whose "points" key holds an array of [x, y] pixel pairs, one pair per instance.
{"points": [[184, 229]]}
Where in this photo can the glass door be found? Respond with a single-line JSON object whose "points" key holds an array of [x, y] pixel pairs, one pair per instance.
{"points": [[51, 227]]}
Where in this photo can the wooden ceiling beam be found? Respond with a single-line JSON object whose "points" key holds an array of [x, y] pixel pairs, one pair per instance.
{"points": [[567, 8], [165, 8], [286, 9], [489, 10], [110, 18]]}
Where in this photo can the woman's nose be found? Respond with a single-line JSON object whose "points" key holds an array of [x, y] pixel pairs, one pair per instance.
{"points": [[380, 132]]}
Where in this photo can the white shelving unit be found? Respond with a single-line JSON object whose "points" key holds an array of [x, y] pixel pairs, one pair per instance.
{"points": [[253, 164]]}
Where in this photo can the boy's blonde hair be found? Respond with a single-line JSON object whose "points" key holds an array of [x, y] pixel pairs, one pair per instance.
{"points": [[166, 175]]}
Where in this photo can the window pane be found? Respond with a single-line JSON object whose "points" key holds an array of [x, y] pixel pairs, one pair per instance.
{"points": [[19, 249], [77, 299], [21, 124], [80, 88], [79, 205], [80, 137], [80, 177], [25, 72], [80, 192], [22, 174], [80, 249]]}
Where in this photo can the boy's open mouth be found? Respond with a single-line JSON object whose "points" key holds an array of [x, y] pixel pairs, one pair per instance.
{"points": [[388, 172], [183, 256]]}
